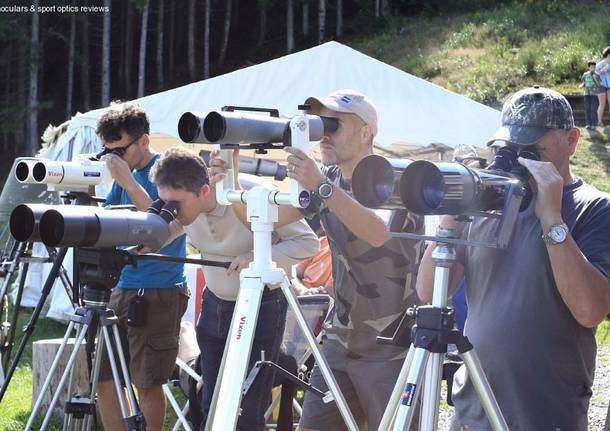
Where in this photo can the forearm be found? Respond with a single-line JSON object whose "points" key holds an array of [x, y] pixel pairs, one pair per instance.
{"points": [[361, 221], [139, 196], [583, 288], [425, 275]]}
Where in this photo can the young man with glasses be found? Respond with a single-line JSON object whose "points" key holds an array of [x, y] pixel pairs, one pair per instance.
{"points": [[150, 349]]}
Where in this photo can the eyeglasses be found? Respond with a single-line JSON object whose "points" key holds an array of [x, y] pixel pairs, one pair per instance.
{"points": [[119, 151]]}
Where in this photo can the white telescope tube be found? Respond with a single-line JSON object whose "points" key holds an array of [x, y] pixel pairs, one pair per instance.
{"points": [[78, 174]]}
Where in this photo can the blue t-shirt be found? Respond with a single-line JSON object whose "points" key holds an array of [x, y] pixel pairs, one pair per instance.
{"points": [[149, 273]]}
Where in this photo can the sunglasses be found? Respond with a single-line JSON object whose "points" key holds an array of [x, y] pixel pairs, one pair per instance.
{"points": [[119, 151]]}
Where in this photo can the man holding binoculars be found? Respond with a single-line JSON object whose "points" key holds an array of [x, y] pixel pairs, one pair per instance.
{"points": [[158, 293], [533, 307], [373, 275]]}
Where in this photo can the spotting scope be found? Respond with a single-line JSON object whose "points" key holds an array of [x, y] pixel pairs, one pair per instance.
{"points": [[88, 226]]}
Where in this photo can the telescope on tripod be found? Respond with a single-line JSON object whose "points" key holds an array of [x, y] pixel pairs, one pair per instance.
{"points": [[432, 188]]}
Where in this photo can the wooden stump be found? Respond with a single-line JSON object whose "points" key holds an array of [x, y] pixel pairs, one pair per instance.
{"points": [[44, 351]]}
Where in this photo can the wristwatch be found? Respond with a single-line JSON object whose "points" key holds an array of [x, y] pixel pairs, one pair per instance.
{"points": [[556, 235], [325, 190]]}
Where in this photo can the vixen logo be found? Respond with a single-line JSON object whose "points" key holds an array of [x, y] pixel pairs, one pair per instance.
{"points": [[56, 174], [240, 328]]}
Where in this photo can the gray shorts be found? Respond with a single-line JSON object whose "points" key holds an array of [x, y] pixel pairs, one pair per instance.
{"points": [[366, 386]]}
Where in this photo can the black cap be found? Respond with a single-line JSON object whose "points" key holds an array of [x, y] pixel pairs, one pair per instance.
{"points": [[528, 114]]}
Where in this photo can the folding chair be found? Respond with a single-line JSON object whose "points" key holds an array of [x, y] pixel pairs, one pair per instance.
{"points": [[296, 359]]}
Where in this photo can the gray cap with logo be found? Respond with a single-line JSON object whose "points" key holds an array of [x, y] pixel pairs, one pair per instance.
{"points": [[528, 114]]}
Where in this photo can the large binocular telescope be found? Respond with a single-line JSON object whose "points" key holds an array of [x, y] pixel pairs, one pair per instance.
{"points": [[228, 128], [62, 173], [89, 226], [427, 188]]}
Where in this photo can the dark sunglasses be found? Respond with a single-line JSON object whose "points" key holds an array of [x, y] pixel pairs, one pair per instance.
{"points": [[119, 151]]}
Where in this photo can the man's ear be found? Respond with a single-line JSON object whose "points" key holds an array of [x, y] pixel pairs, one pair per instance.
{"points": [[573, 137], [366, 134], [145, 140]]}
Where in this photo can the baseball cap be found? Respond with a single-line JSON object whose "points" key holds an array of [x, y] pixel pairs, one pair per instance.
{"points": [[349, 101], [529, 113]]}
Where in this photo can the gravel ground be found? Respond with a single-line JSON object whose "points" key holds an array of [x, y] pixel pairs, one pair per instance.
{"points": [[599, 401]]}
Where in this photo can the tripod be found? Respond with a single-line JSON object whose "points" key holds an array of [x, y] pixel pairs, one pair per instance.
{"points": [[224, 409], [423, 365], [98, 269]]}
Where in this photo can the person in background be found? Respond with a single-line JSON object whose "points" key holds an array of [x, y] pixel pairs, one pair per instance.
{"points": [[590, 84], [603, 71]]}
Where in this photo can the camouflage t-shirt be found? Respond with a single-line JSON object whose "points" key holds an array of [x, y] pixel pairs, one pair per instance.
{"points": [[373, 285]]}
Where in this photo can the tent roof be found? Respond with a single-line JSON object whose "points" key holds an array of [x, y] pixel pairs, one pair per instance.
{"points": [[410, 109]]}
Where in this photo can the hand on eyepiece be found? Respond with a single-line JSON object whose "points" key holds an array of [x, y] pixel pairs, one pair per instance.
{"points": [[549, 184], [119, 169], [303, 169]]}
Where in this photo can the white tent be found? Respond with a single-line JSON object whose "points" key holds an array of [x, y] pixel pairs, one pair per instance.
{"points": [[410, 109]]}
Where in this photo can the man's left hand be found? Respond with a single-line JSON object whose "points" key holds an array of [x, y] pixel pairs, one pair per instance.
{"points": [[239, 263], [303, 169], [550, 191], [119, 169]]}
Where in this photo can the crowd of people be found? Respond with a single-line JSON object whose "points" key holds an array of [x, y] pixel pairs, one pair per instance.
{"points": [[532, 307]]}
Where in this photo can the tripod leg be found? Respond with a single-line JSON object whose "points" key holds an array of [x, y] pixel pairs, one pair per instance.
{"points": [[47, 381], [397, 392], [68, 417], [46, 289], [95, 373], [333, 386], [227, 394], [432, 391], [481, 385], [406, 409], [115, 373]]}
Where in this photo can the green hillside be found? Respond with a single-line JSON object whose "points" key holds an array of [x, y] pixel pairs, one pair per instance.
{"points": [[489, 53]]}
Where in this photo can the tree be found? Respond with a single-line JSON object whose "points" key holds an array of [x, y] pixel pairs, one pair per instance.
{"points": [[172, 26], [84, 63], [305, 16], [142, 60], [160, 16], [32, 144], [71, 54], [289, 26], [106, 58], [262, 22], [339, 18], [321, 20], [225, 35], [206, 39], [191, 38], [128, 50]]}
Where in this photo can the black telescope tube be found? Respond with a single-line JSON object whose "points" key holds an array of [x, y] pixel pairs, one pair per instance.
{"points": [[24, 221], [190, 128], [76, 228]]}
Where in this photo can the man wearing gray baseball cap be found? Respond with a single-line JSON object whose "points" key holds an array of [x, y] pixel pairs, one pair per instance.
{"points": [[374, 275], [533, 307]]}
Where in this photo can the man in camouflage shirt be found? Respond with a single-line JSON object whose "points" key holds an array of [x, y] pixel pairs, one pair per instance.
{"points": [[372, 273]]}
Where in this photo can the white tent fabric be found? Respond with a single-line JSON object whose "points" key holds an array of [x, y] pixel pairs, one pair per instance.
{"points": [[410, 109]]}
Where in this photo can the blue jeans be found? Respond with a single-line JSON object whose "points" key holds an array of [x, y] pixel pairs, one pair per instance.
{"points": [[212, 333], [591, 104]]}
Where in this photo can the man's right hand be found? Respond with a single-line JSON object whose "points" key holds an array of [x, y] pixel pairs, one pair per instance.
{"points": [[218, 168], [119, 170]]}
